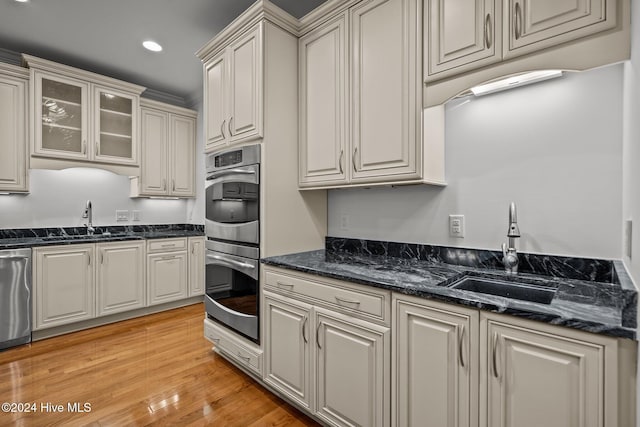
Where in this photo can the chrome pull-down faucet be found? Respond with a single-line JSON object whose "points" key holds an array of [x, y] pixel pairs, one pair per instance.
{"points": [[509, 254], [88, 215]]}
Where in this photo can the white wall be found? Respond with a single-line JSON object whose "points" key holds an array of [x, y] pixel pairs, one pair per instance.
{"points": [[555, 148], [58, 198]]}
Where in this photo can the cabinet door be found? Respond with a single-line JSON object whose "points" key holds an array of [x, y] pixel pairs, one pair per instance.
{"points": [[287, 347], [539, 379], [182, 156], [534, 25], [352, 371], [460, 35], [386, 96], [323, 108], [120, 277], [154, 155], [64, 285], [196, 266], [60, 116], [436, 361], [13, 134], [245, 86], [115, 126], [166, 277], [216, 82]]}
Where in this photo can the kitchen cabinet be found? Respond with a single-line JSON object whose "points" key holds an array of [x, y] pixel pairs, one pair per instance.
{"points": [[329, 362], [196, 266], [324, 110], [436, 361], [240, 351], [459, 366], [168, 151], [13, 129], [461, 35], [64, 284], [167, 274], [120, 270], [83, 116], [361, 116], [234, 91]]}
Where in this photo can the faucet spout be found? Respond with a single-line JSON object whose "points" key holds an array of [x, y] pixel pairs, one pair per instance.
{"points": [[509, 252], [88, 214], [514, 230]]}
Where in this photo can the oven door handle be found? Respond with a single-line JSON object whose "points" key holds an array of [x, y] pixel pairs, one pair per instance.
{"points": [[231, 261], [230, 172]]}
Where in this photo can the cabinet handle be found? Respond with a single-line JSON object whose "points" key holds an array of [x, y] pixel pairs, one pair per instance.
{"points": [[487, 31], [495, 356], [460, 343], [304, 333], [318, 335], [164, 184], [89, 255], [84, 146], [168, 245], [353, 159], [101, 257], [347, 301], [340, 161], [173, 185], [193, 249], [246, 358], [222, 128], [97, 148], [168, 257], [518, 21], [216, 341], [230, 127], [284, 285]]}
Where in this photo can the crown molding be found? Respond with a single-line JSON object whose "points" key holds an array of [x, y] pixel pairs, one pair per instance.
{"points": [[157, 105]]}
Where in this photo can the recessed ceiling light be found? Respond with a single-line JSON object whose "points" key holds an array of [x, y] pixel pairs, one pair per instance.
{"points": [[152, 46]]}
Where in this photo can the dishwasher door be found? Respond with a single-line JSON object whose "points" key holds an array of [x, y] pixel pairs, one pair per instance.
{"points": [[15, 297]]}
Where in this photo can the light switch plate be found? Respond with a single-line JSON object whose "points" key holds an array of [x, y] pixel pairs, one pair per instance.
{"points": [[135, 215], [456, 226], [122, 215]]}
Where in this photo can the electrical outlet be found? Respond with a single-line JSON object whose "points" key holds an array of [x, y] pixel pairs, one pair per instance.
{"points": [[122, 215], [456, 226], [628, 235], [135, 215]]}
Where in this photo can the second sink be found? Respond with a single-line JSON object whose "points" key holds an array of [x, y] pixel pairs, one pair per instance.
{"points": [[520, 291]]}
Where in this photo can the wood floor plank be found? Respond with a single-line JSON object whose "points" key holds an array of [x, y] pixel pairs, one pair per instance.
{"points": [[154, 370]]}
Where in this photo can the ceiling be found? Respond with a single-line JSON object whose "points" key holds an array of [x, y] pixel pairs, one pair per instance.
{"points": [[105, 36]]}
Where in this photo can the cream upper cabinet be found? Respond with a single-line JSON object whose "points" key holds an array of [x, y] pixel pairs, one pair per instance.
{"points": [[82, 116], [385, 83], [13, 129], [64, 284], [234, 91], [120, 269], [534, 25], [352, 365], [323, 107], [436, 364], [196, 266], [168, 151], [541, 379], [288, 348], [460, 34]]}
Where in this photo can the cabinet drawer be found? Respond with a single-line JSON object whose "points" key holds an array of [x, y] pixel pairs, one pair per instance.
{"points": [[165, 245], [348, 298], [232, 347]]}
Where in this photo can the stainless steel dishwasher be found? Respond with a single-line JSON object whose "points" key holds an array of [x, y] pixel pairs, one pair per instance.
{"points": [[15, 297]]}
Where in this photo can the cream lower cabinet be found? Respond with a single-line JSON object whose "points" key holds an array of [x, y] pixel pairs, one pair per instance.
{"points": [[196, 266], [457, 367], [120, 270], [167, 270], [13, 128], [64, 284], [330, 363], [436, 364]]}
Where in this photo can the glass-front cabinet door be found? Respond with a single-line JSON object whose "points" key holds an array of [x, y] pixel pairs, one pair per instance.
{"points": [[115, 128], [61, 119]]}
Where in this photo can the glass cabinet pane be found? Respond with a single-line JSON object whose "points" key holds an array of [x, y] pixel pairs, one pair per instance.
{"points": [[61, 116], [116, 129]]}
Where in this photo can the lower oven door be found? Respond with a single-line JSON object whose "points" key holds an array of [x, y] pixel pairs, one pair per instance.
{"points": [[232, 292]]}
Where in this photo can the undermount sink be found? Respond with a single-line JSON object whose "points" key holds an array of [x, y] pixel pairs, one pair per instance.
{"points": [[515, 290]]}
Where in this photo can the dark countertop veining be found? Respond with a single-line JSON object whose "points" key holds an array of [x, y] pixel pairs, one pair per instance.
{"points": [[601, 307], [29, 237]]}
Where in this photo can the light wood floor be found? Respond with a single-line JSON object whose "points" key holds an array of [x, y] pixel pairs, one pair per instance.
{"points": [[154, 370]]}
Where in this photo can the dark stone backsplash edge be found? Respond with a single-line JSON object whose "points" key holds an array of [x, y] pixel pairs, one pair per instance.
{"points": [[20, 233], [589, 269]]}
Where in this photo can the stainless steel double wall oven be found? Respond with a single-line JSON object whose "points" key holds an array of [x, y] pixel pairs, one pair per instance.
{"points": [[232, 226]]}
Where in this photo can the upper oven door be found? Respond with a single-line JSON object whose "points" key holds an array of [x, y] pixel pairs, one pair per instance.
{"points": [[233, 204]]}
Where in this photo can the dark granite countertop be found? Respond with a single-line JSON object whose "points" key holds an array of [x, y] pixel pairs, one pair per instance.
{"points": [[593, 306], [25, 238]]}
